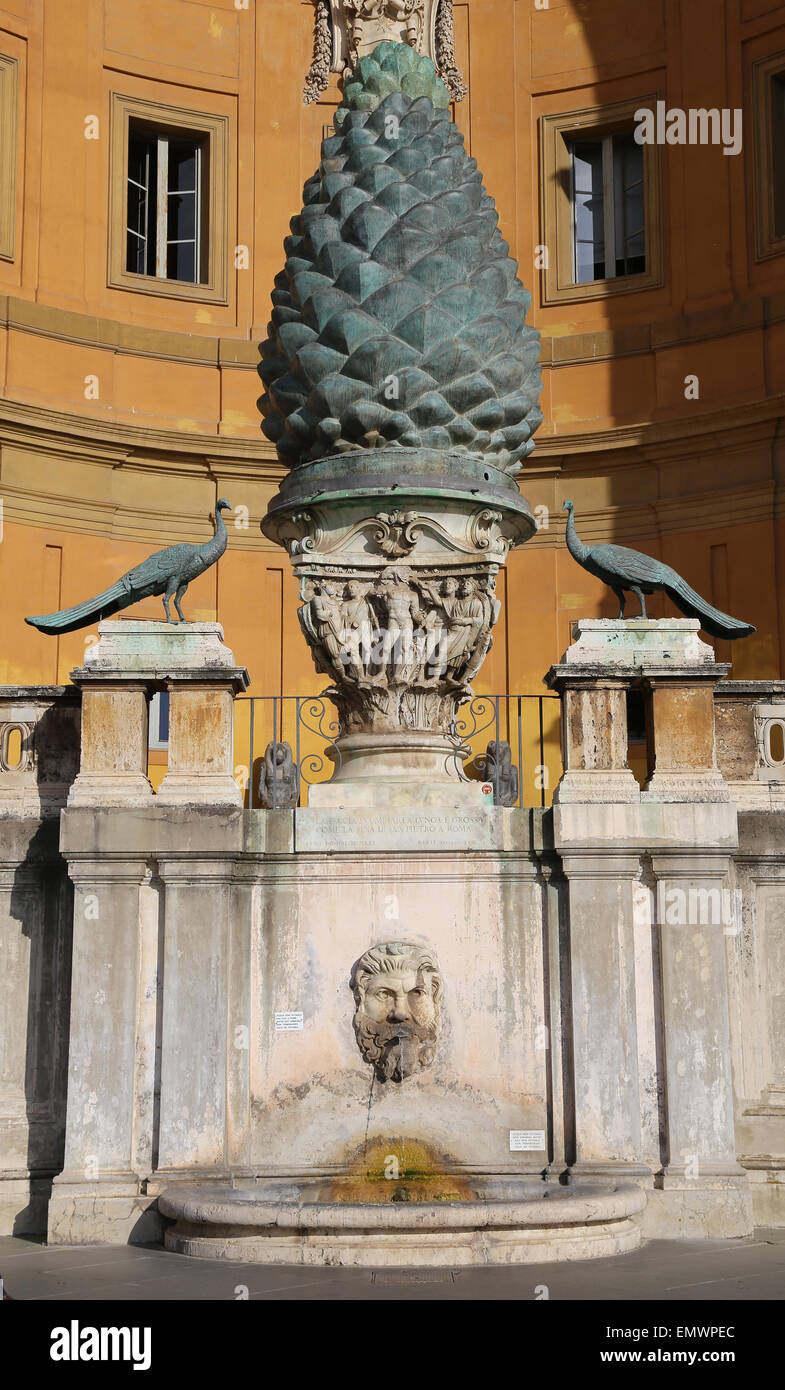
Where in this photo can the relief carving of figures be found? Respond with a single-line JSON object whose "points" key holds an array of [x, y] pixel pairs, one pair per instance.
{"points": [[322, 625], [387, 19], [464, 615], [401, 612], [360, 631], [426, 25], [398, 635]]}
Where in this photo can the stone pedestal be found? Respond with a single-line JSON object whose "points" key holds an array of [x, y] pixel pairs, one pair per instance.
{"points": [[130, 661], [398, 770], [700, 1169], [683, 739], [98, 1195], [608, 830], [607, 1119], [113, 762], [594, 744], [397, 551], [39, 748], [201, 743]]}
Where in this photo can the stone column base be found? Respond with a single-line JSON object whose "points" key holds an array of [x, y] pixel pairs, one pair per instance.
{"points": [[114, 789], [710, 1207], [587, 1169], [598, 787], [23, 1204], [397, 769], [109, 1211], [202, 789], [686, 786], [767, 1187]]}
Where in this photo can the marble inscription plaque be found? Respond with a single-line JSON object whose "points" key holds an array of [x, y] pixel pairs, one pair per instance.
{"points": [[429, 829]]}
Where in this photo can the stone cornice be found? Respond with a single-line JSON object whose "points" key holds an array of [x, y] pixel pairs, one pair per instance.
{"points": [[558, 351], [221, 460]]}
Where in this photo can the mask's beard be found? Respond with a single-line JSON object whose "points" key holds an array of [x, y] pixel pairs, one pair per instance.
{"points": [[396, 1050]]}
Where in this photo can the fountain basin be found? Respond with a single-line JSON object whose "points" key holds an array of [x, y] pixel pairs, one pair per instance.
{"points": [[505, 1221]]}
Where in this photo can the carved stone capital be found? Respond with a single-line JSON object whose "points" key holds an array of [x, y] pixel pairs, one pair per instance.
{"points": [[345, 30]]}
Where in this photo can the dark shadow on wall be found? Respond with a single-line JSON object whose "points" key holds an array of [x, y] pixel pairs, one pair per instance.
{"points": [[697, 481], [42, 904]]}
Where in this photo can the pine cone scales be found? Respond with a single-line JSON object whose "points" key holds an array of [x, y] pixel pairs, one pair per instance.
{"points": [[399, 320]]}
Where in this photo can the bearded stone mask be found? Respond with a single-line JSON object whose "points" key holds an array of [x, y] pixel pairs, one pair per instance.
{"points": [[397, 990]]}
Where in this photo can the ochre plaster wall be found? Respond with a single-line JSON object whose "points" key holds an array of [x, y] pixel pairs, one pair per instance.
{"points": [[90, 486]]}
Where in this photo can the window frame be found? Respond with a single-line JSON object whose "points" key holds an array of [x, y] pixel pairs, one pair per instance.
{"points": [[558, 284], [171, 120], [9, 121], [764, 73], [155, 744]]}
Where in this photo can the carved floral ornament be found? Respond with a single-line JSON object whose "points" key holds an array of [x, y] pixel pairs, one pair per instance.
{"points": [[345, 30], [395, 534]]}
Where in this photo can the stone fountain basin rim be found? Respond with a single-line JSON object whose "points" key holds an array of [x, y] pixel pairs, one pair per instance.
{"points": [[578, 1204]]}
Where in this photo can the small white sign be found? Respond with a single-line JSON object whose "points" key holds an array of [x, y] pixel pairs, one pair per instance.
{"points": [[288, 1023], [527, 1139]]}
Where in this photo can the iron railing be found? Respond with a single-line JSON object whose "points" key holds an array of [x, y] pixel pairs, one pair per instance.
{"points": [[310, 725]]}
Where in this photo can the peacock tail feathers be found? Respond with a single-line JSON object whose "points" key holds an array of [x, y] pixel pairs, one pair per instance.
{"points": [[399, 319], [101, 606], [711, 619]]}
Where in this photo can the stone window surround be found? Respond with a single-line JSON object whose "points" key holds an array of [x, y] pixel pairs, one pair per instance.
{"points": [[9, 90], [557, 283], [763, 73], [215, 128]]}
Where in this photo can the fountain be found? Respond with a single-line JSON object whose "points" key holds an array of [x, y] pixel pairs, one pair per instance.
{"points": [[401, 1025], [401, 392]]}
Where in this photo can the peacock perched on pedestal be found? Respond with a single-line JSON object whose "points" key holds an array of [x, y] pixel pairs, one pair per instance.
{"points": [[399, 321], [167, 574], [625, 570]]}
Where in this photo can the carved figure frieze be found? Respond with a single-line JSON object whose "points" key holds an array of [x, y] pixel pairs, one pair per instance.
{"points": [[398, 994], [402, 631]]}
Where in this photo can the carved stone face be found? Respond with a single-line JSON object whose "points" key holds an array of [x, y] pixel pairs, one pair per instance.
{"points": [[398, 992], [354, 588]]}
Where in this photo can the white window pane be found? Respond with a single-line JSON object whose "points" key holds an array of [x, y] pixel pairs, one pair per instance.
{"points": [[588, 212]]}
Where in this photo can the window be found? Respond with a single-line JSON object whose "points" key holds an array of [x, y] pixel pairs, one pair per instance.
{"points": [[601, 204], [169, 201], [167, 227], [9, 80], [158, 736], [768, 94], [609, 235]]}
